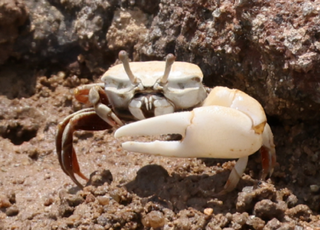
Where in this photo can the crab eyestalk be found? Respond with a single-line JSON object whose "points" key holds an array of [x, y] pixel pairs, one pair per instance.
{"points": [[123, 56], [169, 61]]}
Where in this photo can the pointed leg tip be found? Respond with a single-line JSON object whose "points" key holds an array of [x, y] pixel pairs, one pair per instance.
{"points": [[268, 160]]}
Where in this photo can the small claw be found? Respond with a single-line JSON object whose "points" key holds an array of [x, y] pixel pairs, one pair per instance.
{"points": [[212, 131]]}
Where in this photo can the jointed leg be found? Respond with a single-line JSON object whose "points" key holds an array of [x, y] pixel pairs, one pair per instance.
{"points": [[83, 120], [100, 117], [235, 174], [268, 152]]}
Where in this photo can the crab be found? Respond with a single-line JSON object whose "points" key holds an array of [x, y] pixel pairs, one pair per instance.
{"points": [[169, 98], [129, 92], [229, 124]]}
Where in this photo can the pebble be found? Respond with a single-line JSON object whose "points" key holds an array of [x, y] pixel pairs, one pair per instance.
{"points": [[314, 188], [48, 200], [208, 211], [90, 198], [103, 200], [154, 219], [12, 211], [74, 200], [4, 202]]}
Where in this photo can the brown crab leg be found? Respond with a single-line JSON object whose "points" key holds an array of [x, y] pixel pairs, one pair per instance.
{"points": [[81, 93], [61, 127], [100, 117], [86, 119]]}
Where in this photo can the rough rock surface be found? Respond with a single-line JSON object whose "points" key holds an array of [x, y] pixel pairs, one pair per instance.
{"points": [[13, 16], [269, 49]]}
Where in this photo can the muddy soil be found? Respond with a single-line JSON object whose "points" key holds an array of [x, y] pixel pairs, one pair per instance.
{"points": [[138, 191]]}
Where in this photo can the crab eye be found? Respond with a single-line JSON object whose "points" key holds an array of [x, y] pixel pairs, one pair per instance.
{"points": [[185, 83], [117, 84]]}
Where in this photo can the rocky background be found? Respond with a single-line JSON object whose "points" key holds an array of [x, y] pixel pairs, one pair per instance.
{"points": [[269, 49]]}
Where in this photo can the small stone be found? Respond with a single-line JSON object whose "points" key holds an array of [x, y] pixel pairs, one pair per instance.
{"points": [[208, 211], [61, 74], [314, 188], [103, 200], [300, 211], [33, 154], [291, 201], [12, 197], [99, 178], [98, 227], [74, 200], [4, 202], [48, 201], [12, 211], [216, 13], [90, 198], [115, 196], [65, 210], [81, 58], [255, 222], [154, 219], [267, 210]]}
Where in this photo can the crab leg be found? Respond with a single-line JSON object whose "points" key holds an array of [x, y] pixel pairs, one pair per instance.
{"points": [[235, 175], [268, 156], [85, 119], [100, 117], [268, 152]]}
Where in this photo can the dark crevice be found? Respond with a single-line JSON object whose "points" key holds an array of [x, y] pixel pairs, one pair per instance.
{"points": [[18, 134]]}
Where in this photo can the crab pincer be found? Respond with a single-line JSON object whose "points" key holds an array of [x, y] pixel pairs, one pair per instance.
{"points": [[230, 124]]}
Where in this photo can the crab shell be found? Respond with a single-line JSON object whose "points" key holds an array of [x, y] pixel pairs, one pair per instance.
{"points": [[183, 89]]}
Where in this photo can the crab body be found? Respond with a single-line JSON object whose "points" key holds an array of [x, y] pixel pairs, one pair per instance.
{"points": [[150, 93], [129, 92], [227, 123]]}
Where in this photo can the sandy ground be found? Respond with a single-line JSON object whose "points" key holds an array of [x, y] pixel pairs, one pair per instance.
{"points": [[138, 191]]}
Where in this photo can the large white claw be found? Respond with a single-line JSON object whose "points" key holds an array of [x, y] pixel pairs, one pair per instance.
{"points": [[211, 131]]}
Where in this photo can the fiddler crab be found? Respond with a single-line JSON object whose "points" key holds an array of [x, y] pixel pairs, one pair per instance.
{"points": [[168, 97]]}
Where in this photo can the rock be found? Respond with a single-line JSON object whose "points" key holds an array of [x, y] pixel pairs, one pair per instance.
{"points": [[154, 219], [103, 200], [98, 178], [13, 14], [261, 49], [65, 210], [74, 200], [249, 196], [300, 211], [275, 224], [267, 210], [191, 219], [4, 201], [255, 222], [128, 28], [217, 223]]}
